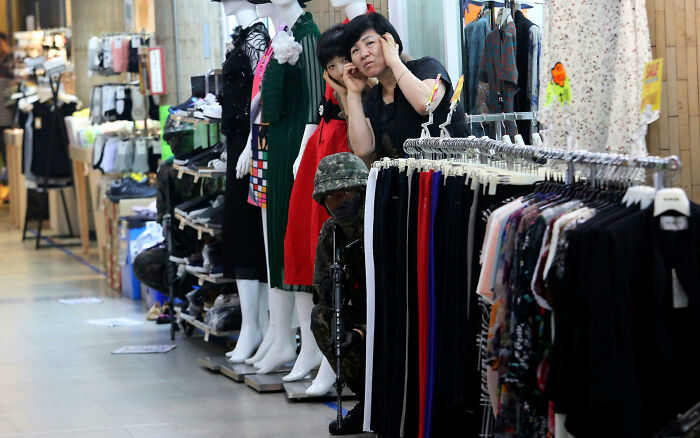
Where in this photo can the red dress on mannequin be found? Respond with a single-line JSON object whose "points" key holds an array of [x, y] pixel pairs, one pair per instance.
{"points": [[306, 216]]}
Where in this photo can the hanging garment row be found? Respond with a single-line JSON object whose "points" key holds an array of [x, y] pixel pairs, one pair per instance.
{"points": [[114, 54], [502, 65], [123, 154], [110, 102], [487, 364]]}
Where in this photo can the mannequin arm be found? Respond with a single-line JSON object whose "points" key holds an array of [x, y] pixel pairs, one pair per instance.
{"points": [[308, 132], [243, 164]]}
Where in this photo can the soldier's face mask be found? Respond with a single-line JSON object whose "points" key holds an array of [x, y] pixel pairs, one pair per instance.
{"points": [[344, 206]]}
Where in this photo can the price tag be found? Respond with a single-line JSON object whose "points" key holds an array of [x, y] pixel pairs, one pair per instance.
{"points": [[435, 90], [156, 70], [458, 91], [651, 89]]}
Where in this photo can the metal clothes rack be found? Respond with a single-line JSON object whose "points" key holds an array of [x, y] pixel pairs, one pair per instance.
{"points": [[502, 117], [486, 147], [55, 82]]}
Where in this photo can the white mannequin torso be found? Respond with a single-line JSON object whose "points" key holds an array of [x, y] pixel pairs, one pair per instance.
{"points": [[245, 12], [289, 11], [268, 10], [352, 8]]}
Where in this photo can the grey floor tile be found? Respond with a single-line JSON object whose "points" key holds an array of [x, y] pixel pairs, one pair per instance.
{"points": [[58, 378]]}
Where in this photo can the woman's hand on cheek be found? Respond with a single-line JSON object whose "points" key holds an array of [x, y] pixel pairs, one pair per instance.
{"points": [[354, 81], [391, 50]]}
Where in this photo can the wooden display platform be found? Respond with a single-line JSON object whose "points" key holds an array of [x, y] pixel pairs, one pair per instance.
{"points": [[212, 363], [266, 382], [237, 371], [296, 391]]}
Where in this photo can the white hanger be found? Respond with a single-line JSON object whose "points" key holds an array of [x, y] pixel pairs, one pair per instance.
{"points": [[536, 140], [673, 199]]}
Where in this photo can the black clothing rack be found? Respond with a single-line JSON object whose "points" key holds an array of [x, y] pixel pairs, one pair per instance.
{"points": [[44, 188]]}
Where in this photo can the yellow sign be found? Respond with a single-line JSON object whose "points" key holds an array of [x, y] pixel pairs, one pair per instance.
{"points": [[651, 90], [458, 90]]}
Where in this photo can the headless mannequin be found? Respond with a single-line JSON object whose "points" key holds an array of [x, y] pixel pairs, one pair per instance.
{"points": [[250, 304], [282, 303], [252, 293], [325, 379]]}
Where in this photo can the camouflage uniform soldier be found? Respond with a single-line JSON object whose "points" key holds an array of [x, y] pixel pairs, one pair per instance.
{"points": [[339, 185]]}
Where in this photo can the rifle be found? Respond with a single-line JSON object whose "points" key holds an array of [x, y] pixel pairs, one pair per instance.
{"points": [[338, 276]]}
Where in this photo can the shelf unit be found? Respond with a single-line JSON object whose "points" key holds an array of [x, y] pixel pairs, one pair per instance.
{"points": [[201, 229], [199, 173], [202, 326]]}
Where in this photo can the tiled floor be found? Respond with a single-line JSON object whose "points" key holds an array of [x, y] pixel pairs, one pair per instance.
{"points": [[58, 378]]}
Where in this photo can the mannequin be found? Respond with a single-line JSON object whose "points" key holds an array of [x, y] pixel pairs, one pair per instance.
{"points": [[286, 128], [245, 12], [325, 379], [352, 8], [241, 219]]}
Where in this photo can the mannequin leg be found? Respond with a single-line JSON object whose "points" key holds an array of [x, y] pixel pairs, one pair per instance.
{"points": [[310, 355], [282, 350], [265, 321], [251, 334], [324, 381]]}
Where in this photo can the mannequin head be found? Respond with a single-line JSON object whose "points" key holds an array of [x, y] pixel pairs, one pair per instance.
{"points": [[352, 8], [361, 43], [233, 6]]}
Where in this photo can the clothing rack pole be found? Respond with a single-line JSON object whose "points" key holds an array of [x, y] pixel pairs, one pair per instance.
{"points": [[494, 147]]}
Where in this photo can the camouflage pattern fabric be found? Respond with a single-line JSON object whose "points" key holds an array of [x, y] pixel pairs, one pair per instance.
{"points": [[354, 310], [341, 171]]}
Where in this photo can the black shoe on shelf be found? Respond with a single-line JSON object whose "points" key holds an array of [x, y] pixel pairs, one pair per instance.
{"points": [[352, 423], [128, 188], [203, 159]]}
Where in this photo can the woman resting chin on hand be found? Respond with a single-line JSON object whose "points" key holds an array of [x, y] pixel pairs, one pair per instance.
{"points": [[392, 112]]}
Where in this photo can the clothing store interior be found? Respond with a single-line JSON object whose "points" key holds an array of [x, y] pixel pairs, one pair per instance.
{"points": [[364, 218]]}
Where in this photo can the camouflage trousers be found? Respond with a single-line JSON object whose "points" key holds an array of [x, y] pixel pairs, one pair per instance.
{"points": [[353, 361]]}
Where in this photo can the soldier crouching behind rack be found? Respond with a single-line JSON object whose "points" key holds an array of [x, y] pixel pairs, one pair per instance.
{"points": [[339, 185]]}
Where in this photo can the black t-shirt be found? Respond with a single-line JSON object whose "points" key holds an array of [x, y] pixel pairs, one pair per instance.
{"points": [[396, 122]]}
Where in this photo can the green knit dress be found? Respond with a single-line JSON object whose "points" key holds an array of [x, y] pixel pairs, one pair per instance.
{"points": [[291, 95]]}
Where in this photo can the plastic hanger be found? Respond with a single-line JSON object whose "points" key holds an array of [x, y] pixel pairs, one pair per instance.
{"points": [[673, 199]]}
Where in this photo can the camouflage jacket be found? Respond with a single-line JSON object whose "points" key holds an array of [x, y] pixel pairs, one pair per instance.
{"points": [[355, 312]]}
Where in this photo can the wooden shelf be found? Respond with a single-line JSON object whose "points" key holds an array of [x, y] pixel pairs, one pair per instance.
{"points": [[201, 229], [196, 121], [202, 326], [200, 173]]}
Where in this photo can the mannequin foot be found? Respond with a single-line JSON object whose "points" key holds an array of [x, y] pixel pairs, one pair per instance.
{"points": [[324, 381], [303, 366], [275, 358], [248, 341], [263, 348]]}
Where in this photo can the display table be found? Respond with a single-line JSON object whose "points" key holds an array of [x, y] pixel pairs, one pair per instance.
{"points": [[18, 194], [82, 160]]}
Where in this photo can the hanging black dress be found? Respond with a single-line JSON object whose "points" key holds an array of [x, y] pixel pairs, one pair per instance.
{"points": [[242, 228]]}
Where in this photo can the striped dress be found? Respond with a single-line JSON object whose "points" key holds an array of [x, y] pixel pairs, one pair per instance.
{"points": [[290, 98]]}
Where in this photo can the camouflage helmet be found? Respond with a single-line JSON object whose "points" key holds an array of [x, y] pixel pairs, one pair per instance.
{"points": [[342, 171]]}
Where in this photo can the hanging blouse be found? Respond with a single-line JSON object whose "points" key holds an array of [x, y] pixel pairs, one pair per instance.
{"points": [[593, 57]]}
